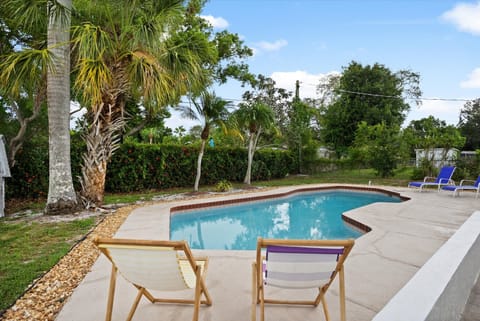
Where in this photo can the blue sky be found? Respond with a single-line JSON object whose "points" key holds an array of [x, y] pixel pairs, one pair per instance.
{"points": [[307, 39]]}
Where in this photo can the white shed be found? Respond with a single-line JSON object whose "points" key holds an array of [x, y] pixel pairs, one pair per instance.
{"points": [[439, 156], [4, 172]]}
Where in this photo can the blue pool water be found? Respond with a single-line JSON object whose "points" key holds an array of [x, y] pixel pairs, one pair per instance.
{"points": [[300, 216]]}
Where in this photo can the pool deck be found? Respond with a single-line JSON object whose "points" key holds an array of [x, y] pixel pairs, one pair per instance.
{"points": [[403, 237]]}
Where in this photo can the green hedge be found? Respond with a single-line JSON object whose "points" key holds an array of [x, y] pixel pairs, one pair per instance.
{"points": [[137, 167]]}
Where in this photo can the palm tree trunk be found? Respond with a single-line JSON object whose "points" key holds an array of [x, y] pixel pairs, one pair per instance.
{"points": [[61, 194], [252, 146], [251, 150], [199, 165], [102, 140]]}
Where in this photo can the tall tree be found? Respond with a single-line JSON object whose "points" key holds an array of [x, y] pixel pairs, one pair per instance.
{"points": [[36, 69], [23, 85], [140, 50], [253, 119], [61, 194], [469, 124], [264, 91], [372, 94], [211, 111]]}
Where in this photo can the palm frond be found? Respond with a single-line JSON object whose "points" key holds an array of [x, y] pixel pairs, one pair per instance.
{"points": [[24, 67], [152, 81], [31, 14], [93, 76], [91, 42]]}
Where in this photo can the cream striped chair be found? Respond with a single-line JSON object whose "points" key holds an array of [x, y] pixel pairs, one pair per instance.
{"points": [[155, 265], [299, 264]]}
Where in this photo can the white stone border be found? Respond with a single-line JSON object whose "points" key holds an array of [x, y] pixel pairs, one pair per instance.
{"points": [[439, 291]]}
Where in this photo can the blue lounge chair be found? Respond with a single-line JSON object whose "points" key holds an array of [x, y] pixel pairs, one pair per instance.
{"points": [[443, 178], [464, 186]]}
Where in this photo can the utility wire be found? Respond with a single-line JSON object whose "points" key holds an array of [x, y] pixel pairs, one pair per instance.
{"points": [[236, 100], [400, 97]]}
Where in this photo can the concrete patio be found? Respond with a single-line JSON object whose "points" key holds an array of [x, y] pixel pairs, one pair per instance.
{"points": [[403, 237]]}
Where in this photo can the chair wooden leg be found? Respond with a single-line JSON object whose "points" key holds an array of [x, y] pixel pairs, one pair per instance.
{"points": [[343, 313], [254, 292], [111, 293], [262, 303], [325, 309], [203, 288], [135, 303], [198, 293]]}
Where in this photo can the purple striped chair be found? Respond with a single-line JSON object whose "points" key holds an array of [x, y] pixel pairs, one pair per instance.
{"points": [[299, 264]]}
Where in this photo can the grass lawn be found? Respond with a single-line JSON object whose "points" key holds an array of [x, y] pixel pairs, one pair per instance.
{"points": [[29, 248]]}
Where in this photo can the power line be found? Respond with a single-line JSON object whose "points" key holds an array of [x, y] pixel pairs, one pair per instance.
{"points": [[400, 97]]}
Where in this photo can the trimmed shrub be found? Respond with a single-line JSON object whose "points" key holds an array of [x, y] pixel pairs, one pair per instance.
{"points": [[137, 167]]}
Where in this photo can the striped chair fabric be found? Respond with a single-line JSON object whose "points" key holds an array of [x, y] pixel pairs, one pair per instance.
{"points": [[299, 264], [300, 267]]}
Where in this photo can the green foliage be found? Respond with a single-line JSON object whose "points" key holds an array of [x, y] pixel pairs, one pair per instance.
{"points": [[136, 167], [30, 174], [425, 169], [299, 135], [429, 133], [468, 168], [469, 124], [265, 92], [379, 146], [366, 93], [223, 186], [139, 167]]}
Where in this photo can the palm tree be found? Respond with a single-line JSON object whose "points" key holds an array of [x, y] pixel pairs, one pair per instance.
{"points": [[139, 51], [254, 119], [38, 69], [61, 194], [211, 111]]}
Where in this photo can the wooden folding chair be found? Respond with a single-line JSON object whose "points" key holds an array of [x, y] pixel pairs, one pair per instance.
{"points": [[155, 265], [299, 264]]}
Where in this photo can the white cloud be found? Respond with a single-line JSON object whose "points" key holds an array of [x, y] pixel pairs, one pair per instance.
{"points": [[448, 111], [308, 82], [271, 46], [465, 16], [177, 120], [216, 22], [473, 80]]}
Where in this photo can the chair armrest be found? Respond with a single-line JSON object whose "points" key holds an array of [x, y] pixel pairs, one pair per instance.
{"points": [[446, 181], [429, 178], [467, 180]]}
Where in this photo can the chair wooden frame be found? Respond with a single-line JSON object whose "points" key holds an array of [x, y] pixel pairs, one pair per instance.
{"points": [[258, 286], [198, 266]]}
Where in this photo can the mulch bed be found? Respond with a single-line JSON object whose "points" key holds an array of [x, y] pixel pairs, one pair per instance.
{"points": [[46, 297]]}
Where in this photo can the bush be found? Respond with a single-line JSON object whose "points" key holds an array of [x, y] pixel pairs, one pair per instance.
{"points": [[137, 167], [223, 186]]}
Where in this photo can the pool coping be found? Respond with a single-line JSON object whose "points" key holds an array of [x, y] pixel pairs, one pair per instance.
{"points": [[355, 223]]}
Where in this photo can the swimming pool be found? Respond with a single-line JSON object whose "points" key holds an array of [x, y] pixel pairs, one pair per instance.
{"points": [[312, 215]]}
